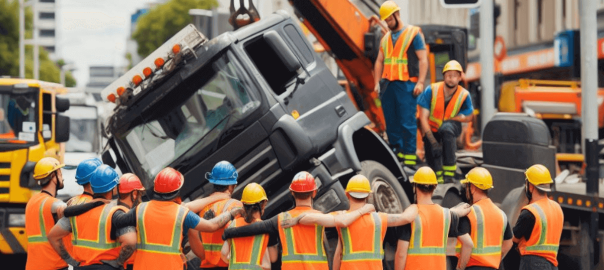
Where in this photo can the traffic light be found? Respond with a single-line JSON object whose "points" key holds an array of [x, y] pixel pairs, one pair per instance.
{"points": [[460, 3]]}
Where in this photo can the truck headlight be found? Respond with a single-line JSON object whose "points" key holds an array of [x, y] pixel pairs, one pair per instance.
{"points": [[16, 220]]}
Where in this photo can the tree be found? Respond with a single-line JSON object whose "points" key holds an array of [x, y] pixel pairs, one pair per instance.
{"points": [[163, 21], [9, 47]]}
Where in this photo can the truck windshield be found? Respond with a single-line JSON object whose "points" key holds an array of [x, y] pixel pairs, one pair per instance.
{"points": [[83, 129], [18, 117], [214, 103]]}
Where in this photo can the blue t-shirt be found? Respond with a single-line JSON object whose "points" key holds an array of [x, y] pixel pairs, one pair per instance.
{"points": [[418, 40], [425, 99], [191, 221]]}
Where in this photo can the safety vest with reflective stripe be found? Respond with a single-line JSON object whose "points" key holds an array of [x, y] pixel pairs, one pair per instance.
{"points": [[429, 233], [438, 112], [91, 236], [545, 237], [302, 244], [488, 224], [395, 56], [247, 252], [361, 249], [212, 241], [159, 225], [38, 222]]}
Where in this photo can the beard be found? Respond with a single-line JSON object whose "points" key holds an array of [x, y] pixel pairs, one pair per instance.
{"points": [[451, 86], [395, 24]]}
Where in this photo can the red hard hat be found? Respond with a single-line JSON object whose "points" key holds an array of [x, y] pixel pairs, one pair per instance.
{"points": [[168, 180], [303, 182], [129, 182]]}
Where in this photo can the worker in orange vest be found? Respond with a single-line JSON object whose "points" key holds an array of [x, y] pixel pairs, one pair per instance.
{"points": [[423, 243], [539, 226], [84, 172], [444, 106], [252, 252], [161, 223], [224, 180], [94, 237], [42, 211], [302, 244], [487, 225], [401, 65]]}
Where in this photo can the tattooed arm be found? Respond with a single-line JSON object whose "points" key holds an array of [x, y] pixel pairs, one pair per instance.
{"points": [[395, 220], [55, 238], [217, 222]]}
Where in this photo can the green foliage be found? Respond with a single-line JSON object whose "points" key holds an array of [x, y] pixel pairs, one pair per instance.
{"points": [[9, 47], [163, 21]]}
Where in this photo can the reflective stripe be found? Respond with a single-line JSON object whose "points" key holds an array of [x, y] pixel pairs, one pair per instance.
{"points": [[377, 252], [101, 243], [439, 173], [450, 168], [400, 155], [174, 247], [410, 157], [41, 238], [448, 173], [416, 248], [541, 245], [291, 256], [409, 162], [212, 247]]}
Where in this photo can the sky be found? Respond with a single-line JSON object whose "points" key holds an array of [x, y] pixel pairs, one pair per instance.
{"points": [[94, 32]]}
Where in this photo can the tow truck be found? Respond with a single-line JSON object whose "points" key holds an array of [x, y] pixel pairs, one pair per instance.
{"points": [[31, 127]]}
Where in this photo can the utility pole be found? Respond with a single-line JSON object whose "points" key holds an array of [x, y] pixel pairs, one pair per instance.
{"points": [[21, 38], [23, 42], [35, 42], [589, 114], [487, 76]]}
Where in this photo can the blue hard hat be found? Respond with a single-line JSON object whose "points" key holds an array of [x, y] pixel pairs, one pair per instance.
{"points": [[85, 170], [103, 179], [223, 173]]}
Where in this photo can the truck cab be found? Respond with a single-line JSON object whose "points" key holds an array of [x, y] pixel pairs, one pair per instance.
{"points": [[259, 98]]}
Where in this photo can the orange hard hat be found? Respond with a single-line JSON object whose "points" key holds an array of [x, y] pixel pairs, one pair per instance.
{"points": [[168, 180], [129, 182], [303, 182]]}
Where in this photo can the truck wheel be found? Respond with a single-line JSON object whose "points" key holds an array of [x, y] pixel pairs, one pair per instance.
{"points": [[388, 197]]}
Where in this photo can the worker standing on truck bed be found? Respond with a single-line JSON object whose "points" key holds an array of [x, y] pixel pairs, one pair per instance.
{"points": [[444, 106], [95, 238], [83, 174], [302, 245], [422, 244], [403, 63], [43, 210], [487, 225], [539, 226]]}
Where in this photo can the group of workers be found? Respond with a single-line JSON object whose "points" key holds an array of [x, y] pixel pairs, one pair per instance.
{"points": [[109, 227], [400, 71]]}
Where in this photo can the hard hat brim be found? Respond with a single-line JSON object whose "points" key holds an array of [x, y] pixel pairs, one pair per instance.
{"points": [[466, 181], [358, 195], [544, 187], [390, 13]]}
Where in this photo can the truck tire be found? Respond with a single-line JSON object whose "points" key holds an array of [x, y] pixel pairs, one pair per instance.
{"points": [[389, 197]]}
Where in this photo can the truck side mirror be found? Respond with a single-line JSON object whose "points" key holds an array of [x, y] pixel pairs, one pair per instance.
{"points": [[62, 104], [62, 128], [288, 58]]}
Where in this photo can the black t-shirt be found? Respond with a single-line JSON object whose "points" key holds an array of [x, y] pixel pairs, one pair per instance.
{"points": [[524, 225], [465, 227], [270, 227]]}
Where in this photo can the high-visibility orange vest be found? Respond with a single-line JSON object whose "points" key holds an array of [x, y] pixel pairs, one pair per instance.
{"points": [[438, 112], [247, 252], [159, 225], [38, 222], [395, 56], [360, 251], [545, 238], [428, 243], [91, 234], [302, 244], [79, 199], [488, 224], [212, 241]]}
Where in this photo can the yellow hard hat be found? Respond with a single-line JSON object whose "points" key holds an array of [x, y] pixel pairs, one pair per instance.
{"points": [[388, 8], [539, 176], [480, 177], [358, 187], [45, 167], [452, 65], [424, 176], [253, 194]]}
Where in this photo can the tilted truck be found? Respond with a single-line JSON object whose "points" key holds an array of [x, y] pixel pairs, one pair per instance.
{"points": [[262, 99], [30, 128]]}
